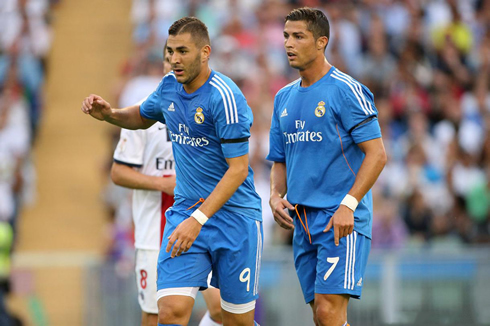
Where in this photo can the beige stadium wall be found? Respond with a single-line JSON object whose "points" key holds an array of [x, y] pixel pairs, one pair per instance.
{"points": [[66, 227]]}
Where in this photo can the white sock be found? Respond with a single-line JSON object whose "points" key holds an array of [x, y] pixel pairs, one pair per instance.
{"points": [[207, 321]]}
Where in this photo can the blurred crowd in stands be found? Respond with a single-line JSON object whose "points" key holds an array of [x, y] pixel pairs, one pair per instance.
{"points": [[427, 63], [25, 41]]}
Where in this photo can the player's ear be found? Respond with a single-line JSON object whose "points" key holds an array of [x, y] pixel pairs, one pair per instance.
{"points": [[322, 42], [206, 52]]}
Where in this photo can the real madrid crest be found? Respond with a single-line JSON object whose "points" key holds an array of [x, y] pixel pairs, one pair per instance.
{"points": [[320, 109], [199, 116]]}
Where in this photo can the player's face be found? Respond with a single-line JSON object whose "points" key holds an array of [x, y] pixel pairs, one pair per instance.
{"points": [[185, 57], [300, 44]]}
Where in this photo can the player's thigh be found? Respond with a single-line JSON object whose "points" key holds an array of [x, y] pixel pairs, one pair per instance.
{"points": [[146, 279], [175, 305], [305, 261], [330, 309], [212, 297], [340, 269], [236, 254]]}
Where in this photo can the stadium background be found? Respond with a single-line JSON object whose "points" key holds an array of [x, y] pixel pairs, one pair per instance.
{"points": [[426, 61]]}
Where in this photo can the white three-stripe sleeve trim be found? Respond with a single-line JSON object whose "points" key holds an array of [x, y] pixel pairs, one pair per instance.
{"points": [[258, 258], [232, 97], [354, 259], [348, 79], [224, 101], [230, 106], [359, 89], [346, 263], [353, 91]]}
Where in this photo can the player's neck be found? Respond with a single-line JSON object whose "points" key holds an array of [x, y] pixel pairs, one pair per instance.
{"points": [[197, 82], [314, 72]]}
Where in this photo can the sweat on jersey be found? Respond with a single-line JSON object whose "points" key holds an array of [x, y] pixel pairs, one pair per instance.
{"points": [[315, 131], [205, 127], [150, 151]]}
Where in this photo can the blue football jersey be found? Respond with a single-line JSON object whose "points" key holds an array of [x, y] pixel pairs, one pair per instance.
{"points": [[315, 131], [205, 127]]}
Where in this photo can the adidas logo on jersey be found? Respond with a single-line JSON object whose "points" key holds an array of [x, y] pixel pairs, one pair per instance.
{"points": [[360, 282], [171, 107], [284, 113]]}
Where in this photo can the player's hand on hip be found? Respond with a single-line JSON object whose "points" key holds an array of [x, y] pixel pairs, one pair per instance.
{"points": [[166, 184], [342, 222], [278, 206], [96, 106], [183, 236]]}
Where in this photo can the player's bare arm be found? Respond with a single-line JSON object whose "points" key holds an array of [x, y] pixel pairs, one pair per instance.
{"points": [[186, 232], [128, 118], [372, 165], [278, 190], [126, 176]]}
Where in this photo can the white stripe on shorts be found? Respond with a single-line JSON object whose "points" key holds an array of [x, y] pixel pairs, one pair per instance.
{"points": [[349, 277], [346, 262], [258, 258], [350, 261], [354, 258]]}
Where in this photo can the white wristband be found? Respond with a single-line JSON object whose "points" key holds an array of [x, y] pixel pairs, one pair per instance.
{"points": [[200, 216], [350, 201]]}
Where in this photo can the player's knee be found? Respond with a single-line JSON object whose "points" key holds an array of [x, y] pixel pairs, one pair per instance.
{"points": [[326, 314], [170, 312], [215, 313]]}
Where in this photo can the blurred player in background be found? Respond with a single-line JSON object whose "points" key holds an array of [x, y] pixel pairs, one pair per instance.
{"points": [[143, 161], [325, 142], [208, 120]]}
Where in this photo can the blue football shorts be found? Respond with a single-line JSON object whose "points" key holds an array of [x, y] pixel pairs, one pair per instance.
{"points": [[229, 245], [321, 266]]}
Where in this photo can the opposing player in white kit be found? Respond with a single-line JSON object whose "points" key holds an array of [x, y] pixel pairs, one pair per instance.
{"points": [[143, 161]]}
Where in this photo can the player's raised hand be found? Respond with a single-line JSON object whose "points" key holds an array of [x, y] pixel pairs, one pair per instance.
{"points": [[342, 222], [278, 206], [96, 106], [183, 236]]}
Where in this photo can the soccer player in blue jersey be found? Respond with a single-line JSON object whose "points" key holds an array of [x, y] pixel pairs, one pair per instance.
{"points": [[208, 121], [326, 146]]}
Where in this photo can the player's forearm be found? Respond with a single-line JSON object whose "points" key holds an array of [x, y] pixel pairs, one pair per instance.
{"points": [[128, 118], [126, 176], [370, 169], [278, 180], [225, 188]]}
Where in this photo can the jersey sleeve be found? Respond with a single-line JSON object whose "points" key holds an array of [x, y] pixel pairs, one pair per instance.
{"points": [[358, 114], [150, 108], [130, 148], [233, 119], [276, 140]]}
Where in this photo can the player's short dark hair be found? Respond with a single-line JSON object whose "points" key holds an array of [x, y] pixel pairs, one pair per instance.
{"points": [[316, 21], [193, 26]]}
